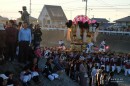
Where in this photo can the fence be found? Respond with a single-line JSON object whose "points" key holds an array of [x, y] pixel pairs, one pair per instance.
{"points": [[114, 32]]}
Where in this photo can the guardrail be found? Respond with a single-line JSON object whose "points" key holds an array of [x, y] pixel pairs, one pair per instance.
{"points": [[100, 31], [115, 32]]}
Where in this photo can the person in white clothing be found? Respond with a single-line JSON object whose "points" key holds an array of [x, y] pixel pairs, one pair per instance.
{"points": [[102, 46], [93, 74], [48, 70], [25, 76], [89, 47], [112, 63], [61, 42], [107, 63]]}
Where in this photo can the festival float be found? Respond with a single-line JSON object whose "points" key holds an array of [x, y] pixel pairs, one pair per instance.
{"points": [[81, 31]]}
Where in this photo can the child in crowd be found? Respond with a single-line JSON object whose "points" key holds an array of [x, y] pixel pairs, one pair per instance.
{"points": [[25, 76], [49, 71], [38, 52], [34, 70]]}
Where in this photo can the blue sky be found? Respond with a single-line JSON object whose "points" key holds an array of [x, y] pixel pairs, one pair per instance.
{"points": [[109, 9]]}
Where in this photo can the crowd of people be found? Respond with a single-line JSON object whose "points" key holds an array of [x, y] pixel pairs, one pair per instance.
{"points": [[17, 40], [85, 68], [18, 37]]}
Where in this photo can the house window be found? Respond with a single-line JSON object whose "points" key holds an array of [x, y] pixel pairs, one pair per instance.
{"points": [[46, 15], [48, 21]]}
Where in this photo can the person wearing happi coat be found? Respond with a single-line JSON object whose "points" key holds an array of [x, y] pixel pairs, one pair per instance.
{"points": [[107, 63], [102, 46], [112, 63], [83, 72], [118, 65], [127, 68], [102, 59], [89, 47], [93, 74]]}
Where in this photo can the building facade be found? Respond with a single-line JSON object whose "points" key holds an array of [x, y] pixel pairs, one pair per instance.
{"points": [[52, 17]]}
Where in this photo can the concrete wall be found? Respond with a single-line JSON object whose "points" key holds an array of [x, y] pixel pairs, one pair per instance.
{"points": [[52, 37], [118, 43]]}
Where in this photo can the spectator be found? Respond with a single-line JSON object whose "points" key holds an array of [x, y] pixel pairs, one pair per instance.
{"points": [[98, 75], [25, 76], [34, 70], [49, 71], [111, 80], [1, 81], [11, 41], [83, 72], [25, 39], [37, 35], [4, 79], [19, 26], [38, 52], [10, 81], [93, 75], [2, 44]]}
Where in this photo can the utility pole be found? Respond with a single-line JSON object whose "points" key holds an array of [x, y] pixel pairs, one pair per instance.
{"points": [[30, 7], [86, 6]]}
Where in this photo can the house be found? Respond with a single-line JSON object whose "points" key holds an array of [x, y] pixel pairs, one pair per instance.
{"points": [[123, 21], [100, 20], [3, 20], [31, 20], [52, 17], [104, 23]]}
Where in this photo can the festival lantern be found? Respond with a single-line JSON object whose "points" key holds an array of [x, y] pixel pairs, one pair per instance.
{"points": [[107, 47]]}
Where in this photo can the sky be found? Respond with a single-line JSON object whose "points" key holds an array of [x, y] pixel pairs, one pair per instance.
{"points": [[109, 9]]}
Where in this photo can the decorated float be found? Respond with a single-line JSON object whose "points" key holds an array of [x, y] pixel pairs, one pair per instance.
{"points": [[81, 31]]}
